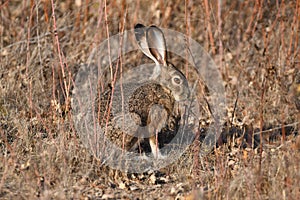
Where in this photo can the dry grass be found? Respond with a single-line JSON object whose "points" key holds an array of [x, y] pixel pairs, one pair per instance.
{"points": [[254, 43]]}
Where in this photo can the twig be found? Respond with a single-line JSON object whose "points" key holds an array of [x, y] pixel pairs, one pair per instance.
{"points": [[61, 59], [108, 41], [276, 128], [28, 58], [261, 122], [225, 71], [235, 106], [209, 31], [188, 34], [295, 26]]}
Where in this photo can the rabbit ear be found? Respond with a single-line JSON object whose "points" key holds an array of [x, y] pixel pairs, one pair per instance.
{"points": [[157, 45], [140, 35]]}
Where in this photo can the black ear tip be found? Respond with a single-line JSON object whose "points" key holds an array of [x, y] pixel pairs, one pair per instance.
{"points": [[153, 26], [139, 26]]}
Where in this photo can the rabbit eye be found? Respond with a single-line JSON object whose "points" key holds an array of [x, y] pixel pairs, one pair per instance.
{"points": [[177, 80]]}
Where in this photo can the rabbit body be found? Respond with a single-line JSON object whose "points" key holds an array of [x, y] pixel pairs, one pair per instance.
{"points": [[151, 105]]}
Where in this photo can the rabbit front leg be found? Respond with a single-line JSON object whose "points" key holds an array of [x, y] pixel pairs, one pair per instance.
{"points": [[157, 119]]}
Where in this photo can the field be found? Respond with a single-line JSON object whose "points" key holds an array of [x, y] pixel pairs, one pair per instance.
{"points": [[255, 46]]}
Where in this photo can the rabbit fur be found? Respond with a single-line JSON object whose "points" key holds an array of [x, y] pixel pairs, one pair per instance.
{"points": [[151, 105]]}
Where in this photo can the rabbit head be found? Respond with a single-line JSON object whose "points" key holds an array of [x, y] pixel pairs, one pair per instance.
{"points": [[152, 43]]}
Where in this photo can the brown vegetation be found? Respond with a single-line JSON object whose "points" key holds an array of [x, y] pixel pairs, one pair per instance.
{"points": [[254, 43]]}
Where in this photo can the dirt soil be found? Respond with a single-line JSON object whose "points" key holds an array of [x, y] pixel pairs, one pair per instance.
{"points": [[255, 45]]}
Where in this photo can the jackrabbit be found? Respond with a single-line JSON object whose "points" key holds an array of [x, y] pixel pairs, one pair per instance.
{"points": [[151, 105]]}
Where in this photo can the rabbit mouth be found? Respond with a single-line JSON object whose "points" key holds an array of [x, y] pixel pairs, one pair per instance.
{"points": [[181, 97]]}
